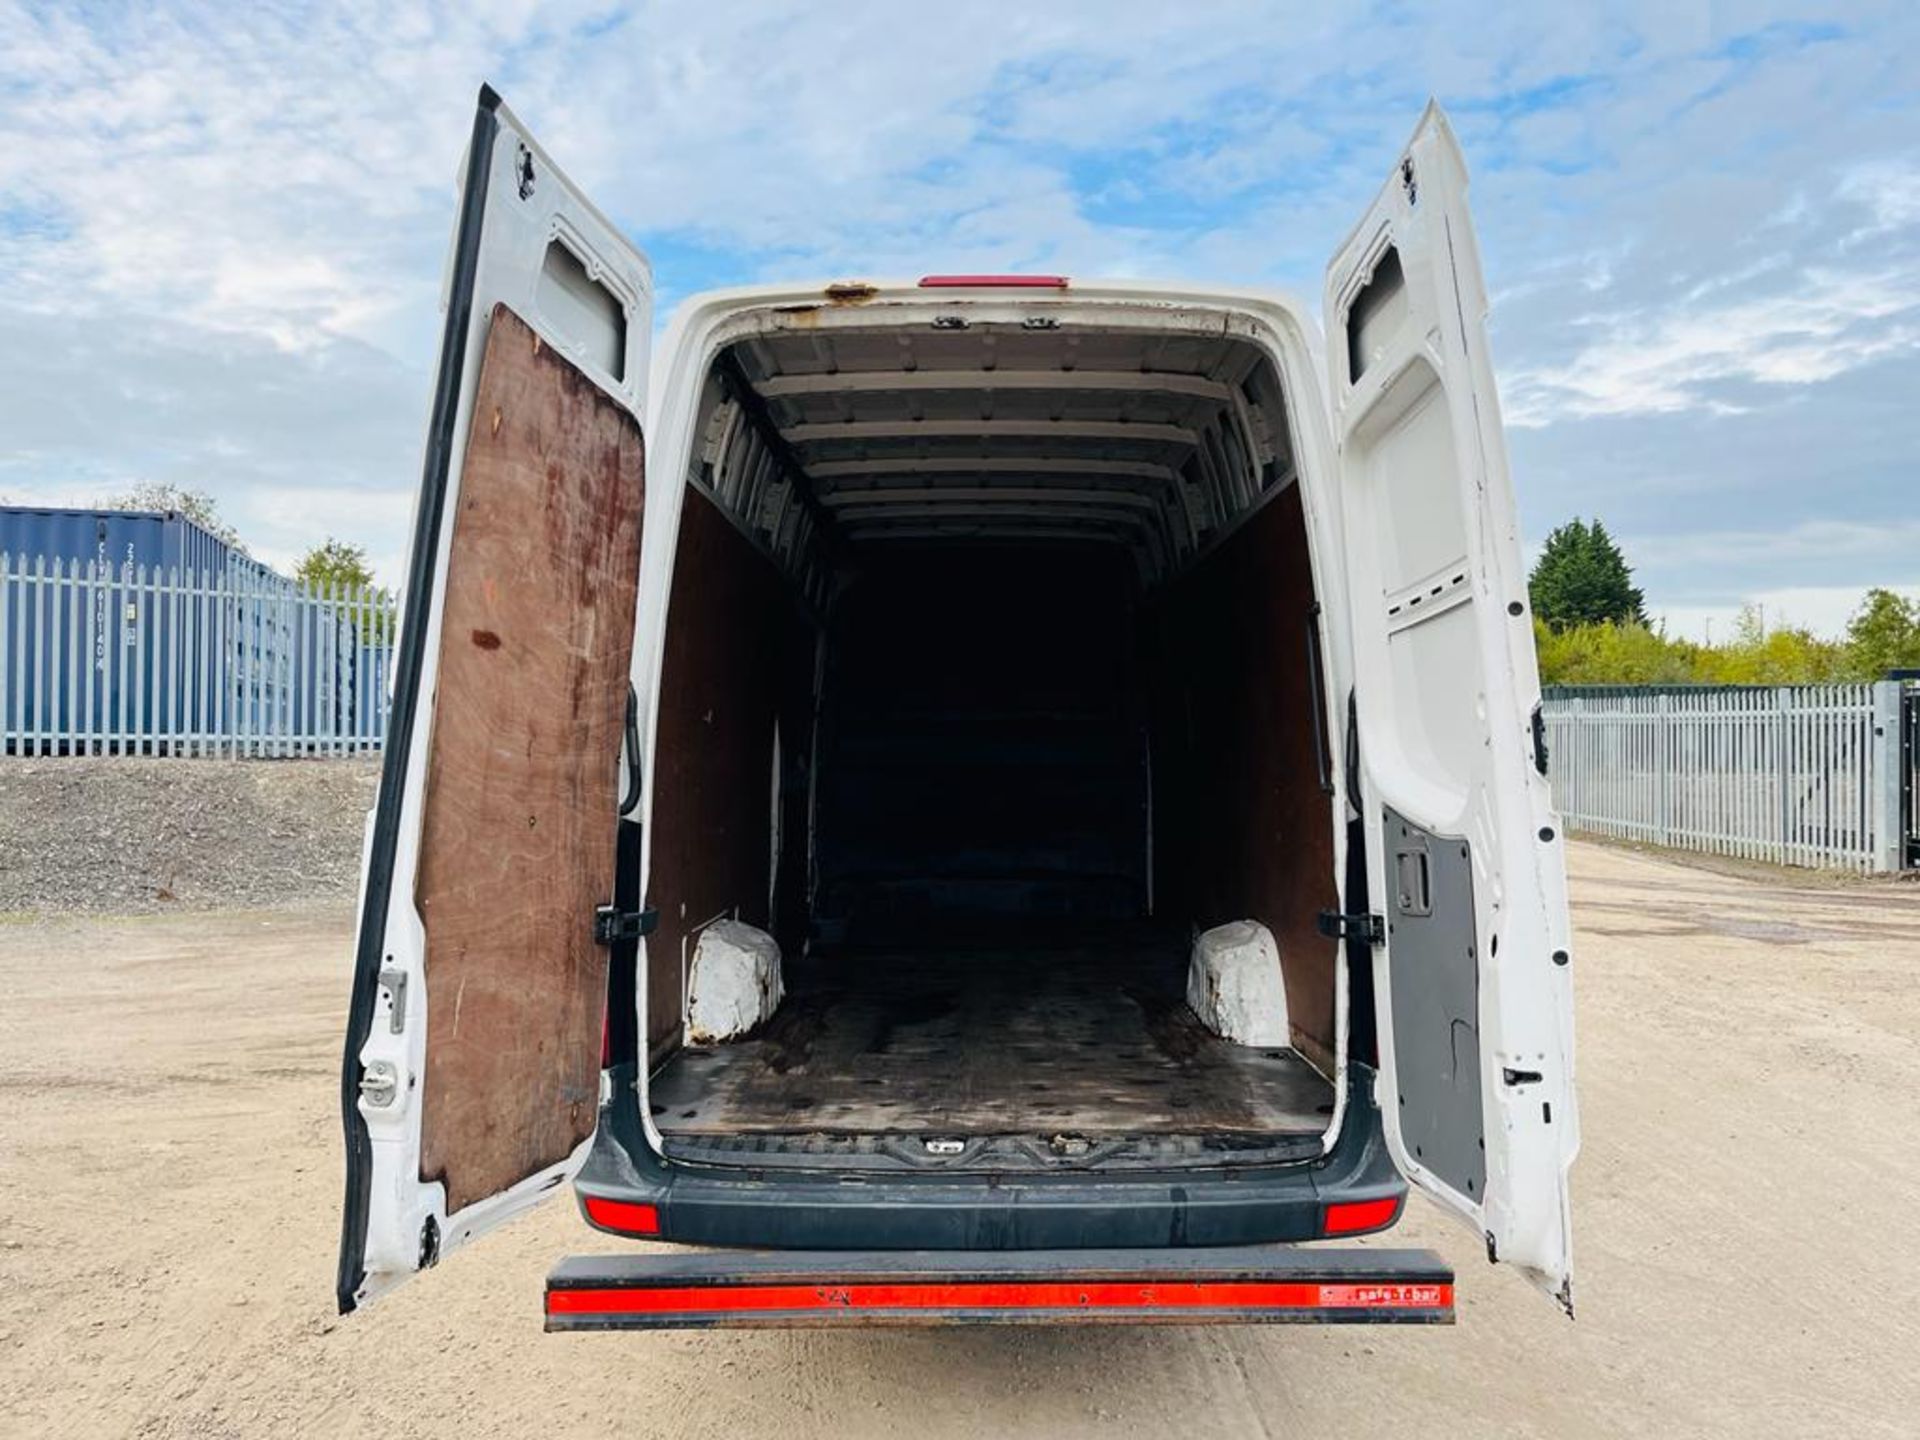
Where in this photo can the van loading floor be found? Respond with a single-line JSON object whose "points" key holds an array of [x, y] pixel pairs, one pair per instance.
{"points": [[1091, 1041]]}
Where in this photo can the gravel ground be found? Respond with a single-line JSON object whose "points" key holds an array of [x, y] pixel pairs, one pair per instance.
{"points": [[1749, 1057], [130, 836]]}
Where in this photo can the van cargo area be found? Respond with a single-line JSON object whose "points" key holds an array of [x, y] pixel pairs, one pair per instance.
{"points": [[995, 766], [991, 678]]}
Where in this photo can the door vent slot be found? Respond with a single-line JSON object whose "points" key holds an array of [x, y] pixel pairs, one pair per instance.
{"points": [[1428, 596]]}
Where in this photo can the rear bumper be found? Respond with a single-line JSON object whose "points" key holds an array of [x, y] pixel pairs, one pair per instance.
{"points": [[638, 1193], [1245, 1285]]}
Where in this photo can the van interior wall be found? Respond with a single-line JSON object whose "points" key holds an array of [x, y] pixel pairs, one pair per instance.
{"points": [[1242, 822], [982, 740], [981, 750], [737, 669]]}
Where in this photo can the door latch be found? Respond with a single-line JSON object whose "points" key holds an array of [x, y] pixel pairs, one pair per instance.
{"points": [[1370, 928], [611, 924], [379, 1083]]}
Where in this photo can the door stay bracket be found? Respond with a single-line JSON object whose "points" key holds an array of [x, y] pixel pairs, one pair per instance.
{"points": [[1370, 928], [612, 925]]}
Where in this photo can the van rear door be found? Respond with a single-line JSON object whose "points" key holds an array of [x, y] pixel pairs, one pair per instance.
{"points": [[470, 1084], [1471, 981]]}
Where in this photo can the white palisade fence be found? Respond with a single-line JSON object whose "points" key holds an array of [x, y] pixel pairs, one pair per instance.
{"points": [[1797, 775], [98, 660]]}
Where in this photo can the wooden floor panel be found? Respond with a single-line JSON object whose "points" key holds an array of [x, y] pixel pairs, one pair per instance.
{"points": [[1091, 1041]]}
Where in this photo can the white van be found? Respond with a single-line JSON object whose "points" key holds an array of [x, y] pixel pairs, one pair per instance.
{"points": [[1082, 738]]}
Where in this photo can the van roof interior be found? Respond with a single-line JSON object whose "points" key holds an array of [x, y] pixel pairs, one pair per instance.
{"points": [[1150, 439]]}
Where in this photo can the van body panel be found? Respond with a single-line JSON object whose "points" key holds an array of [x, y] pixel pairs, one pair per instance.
{"points": [[1280, 326], [1390, 478], [1471, 987], [530, 249]]}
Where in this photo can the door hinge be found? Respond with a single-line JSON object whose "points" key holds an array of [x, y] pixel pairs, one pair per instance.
{"points": [[611, 925], [1370, 928]]}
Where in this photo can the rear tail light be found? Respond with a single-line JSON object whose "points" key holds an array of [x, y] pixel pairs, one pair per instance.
{"points": [[623, 1215], [1350, 1217], [993, 282]]}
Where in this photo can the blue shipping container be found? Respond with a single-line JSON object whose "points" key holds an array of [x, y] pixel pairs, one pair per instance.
{"points": [[188, 636], [113, 539]]}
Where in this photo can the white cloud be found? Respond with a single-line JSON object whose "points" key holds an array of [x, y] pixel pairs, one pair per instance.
{"points": [[1891, 194], [1669, 359], [1714, 572], [1853, 543], [282, 521], [221, 230], [1823, 609]]}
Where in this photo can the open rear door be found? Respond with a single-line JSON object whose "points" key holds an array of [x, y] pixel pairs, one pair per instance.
{"points": [[471, 1078], [1471, 979]]}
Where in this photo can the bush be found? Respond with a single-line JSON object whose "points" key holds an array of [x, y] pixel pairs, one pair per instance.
{"points": [[1884, 633]]}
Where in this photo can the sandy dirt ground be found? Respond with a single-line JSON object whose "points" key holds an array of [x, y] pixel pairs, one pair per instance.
{"points": [[1749, 1074]]}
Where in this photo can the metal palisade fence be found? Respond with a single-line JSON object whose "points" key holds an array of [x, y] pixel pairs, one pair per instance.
{"points": [[233, 661], [1910, 773], [1799, 775]]}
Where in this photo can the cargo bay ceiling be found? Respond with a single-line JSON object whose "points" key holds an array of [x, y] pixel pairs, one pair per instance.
{"points": [[819, 440]]}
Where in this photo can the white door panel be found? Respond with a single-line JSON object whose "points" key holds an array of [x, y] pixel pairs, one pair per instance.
{"points": [[1472, 983], [532, 260]]}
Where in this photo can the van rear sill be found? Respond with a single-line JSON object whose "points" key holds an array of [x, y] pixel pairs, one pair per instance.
{"points": [[1261, 1284], [1036, 1154]]}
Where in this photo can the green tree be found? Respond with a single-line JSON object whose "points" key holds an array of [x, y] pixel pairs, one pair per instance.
{"points": [[1883, 635], [1581, 578], [197, 505], [335, 567], [334, 562]]}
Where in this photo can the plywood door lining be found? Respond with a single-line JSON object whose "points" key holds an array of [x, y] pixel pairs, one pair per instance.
{"points": [[517, 844]]}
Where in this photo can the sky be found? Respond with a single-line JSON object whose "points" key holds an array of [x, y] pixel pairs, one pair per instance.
{"points": [[223, 228]]}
